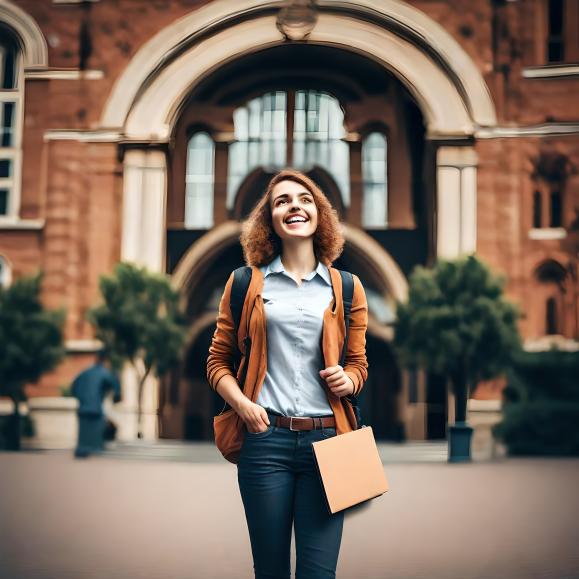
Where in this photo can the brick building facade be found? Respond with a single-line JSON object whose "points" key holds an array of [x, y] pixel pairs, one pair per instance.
{"points": [[145, 131]]}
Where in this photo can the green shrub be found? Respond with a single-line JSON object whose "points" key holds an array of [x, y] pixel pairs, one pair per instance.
{"points": [[540, 428], [541, 409]]}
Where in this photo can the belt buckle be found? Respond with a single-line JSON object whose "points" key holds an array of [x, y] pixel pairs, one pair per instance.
{"points": [[291, 425]]}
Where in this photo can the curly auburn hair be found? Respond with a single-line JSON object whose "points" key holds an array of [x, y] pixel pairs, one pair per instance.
{"points": [[261, 244]]}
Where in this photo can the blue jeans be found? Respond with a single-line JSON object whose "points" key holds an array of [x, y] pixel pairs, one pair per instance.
{"points": [[280, 487]]}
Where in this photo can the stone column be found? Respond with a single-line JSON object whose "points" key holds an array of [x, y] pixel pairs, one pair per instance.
{"points": [[456, 201], [144, 202], [143, 243]]}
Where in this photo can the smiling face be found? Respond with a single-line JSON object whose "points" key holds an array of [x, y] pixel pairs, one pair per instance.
{"points": [[294, 213]]}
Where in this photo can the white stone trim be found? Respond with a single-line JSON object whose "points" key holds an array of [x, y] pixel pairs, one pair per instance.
{"points": [[83, 346], [144, 200], [35, 50], [551, 71], [547, 233], [542, 130], [154, 114], [16, 224], [547, 343], [456, 201], [151, 74], [420, 26], [63, 74], [83, 136]]}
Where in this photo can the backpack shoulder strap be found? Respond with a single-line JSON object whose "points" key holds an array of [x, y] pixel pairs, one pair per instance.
{"points": [[347, 297], [241, 281]]}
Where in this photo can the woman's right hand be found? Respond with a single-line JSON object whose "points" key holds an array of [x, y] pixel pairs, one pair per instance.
{"points": [[254, 416]]}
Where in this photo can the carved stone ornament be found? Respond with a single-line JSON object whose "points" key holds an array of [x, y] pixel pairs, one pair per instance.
{"points": [[297, 19]]}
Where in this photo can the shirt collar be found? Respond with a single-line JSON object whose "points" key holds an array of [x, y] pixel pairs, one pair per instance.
{"points": [[276, 266]]}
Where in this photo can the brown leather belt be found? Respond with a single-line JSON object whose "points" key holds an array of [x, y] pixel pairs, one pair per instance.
{"points": [[305, 423]]}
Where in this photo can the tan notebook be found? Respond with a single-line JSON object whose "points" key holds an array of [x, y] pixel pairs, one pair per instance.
{"points": [[350, 468]]}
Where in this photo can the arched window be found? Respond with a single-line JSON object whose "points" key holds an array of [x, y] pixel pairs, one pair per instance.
{"points": [[374, 175], [199, 182], [10, 126], [301, 129], [552, 278], [537, 213], [5, 273]]}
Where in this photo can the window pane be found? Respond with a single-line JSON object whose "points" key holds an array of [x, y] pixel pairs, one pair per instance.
{"points": [[555, 39], [4, 201], [556, 209], [555, 17], [7, 110], [537, 209], [5, 168], [318, 133], [8, 69], [551, 322], [260, 133], [374, 173], [199, 182]]}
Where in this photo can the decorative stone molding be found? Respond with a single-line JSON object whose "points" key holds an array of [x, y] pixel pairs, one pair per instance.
{"points": [[434, 67], [64, 74], [83, 136], [16, 224], [551, 71], [542, 130], [35, 49], [297, 19], [548, 233]]}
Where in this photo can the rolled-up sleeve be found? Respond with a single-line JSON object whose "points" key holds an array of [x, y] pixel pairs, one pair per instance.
{"points": [[223, 344], [356, 364]]}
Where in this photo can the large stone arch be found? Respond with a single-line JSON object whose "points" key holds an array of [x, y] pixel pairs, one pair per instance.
{"points": [[428, 61], [33, 43]]}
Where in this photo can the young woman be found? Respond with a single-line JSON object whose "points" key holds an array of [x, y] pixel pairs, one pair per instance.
{"points": [[294, 389]]}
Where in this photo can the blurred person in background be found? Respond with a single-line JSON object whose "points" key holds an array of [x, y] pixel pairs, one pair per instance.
{"points": [[91, 387]]}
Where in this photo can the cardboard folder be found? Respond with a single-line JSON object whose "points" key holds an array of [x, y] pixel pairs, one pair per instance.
{"points": [[350, 468]]}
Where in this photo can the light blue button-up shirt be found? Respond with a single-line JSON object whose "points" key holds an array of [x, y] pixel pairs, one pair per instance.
{"points": [[294, 320]]}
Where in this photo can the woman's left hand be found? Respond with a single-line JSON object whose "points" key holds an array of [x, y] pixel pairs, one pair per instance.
{"points": [[338, 381]]}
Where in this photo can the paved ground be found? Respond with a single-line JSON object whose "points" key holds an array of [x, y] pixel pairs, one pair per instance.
{"points": [[109, 518]]}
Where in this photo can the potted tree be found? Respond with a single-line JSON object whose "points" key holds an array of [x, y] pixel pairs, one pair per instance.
{"points": [[140, 323], [31, 342], [457, 323]]}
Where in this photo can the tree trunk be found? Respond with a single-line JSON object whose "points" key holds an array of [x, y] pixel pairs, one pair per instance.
{"points": [[13, 428], [140, 404], [460, 386]]}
